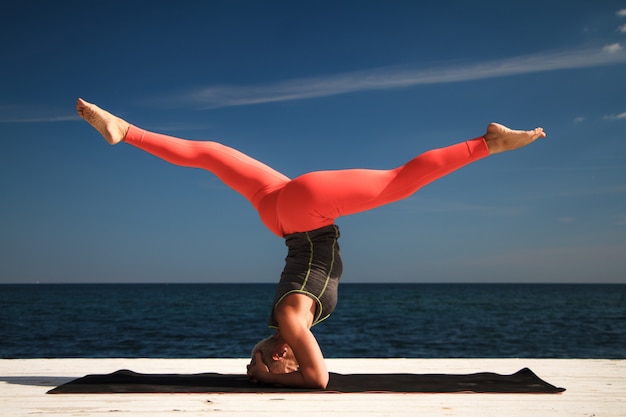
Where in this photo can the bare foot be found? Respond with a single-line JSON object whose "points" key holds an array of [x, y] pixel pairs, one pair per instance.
{"points": [[111, 127], [500, 138]]}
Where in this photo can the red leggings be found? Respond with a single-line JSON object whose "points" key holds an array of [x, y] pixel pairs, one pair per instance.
{"points": [[316, 199]]}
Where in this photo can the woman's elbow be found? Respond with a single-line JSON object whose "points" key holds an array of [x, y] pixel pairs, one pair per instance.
{"points": [[320, 381]]}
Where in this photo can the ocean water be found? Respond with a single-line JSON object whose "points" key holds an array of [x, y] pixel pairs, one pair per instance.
{"points": [[371, 320]]}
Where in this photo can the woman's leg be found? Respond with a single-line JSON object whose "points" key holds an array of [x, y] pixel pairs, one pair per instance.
{"points": [[315, 199], [251, 178], [246, 175]]}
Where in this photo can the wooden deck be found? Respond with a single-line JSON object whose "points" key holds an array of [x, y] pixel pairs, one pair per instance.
{"points": [[595, 388]]}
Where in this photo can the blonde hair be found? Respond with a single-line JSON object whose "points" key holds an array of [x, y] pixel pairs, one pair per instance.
{"points": [[267, 347]]}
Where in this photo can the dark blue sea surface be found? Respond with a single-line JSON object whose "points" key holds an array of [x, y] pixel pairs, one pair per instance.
{"points": [[371, 320]]}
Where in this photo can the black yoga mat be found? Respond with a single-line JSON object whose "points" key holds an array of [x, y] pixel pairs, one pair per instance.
{"points": [[125, 381]]}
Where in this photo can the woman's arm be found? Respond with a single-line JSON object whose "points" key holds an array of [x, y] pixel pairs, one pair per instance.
{"points": [[294, 326]]}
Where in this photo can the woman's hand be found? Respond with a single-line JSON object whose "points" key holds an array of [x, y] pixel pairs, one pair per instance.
{"points": [[257, 370]]}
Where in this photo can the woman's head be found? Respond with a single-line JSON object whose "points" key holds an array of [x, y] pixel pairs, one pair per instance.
{"points": [[276, 355]]}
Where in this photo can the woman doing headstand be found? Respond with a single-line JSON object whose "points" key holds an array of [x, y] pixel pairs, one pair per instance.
{"points": [[303, 212]]}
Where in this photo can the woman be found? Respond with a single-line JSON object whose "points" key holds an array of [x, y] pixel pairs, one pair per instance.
{"points": [[303, 212]]}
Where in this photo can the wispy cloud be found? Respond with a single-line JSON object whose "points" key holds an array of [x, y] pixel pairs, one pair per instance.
{"points": [[394, 77], [613, 48], [44, 119], [621, 13], [622, 29], [615, 116], [34, 113]]}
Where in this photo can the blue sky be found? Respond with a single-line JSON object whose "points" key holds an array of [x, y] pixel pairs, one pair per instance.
{"points": [[309, 85]]}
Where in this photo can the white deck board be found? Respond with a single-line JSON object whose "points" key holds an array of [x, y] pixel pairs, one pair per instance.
{"points": [[595, 388]]}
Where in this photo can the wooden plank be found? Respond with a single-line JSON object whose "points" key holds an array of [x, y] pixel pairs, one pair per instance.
{"points": [[595, 387]]}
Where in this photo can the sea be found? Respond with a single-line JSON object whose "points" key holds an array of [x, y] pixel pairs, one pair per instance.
{"points": [[371, 321]]}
